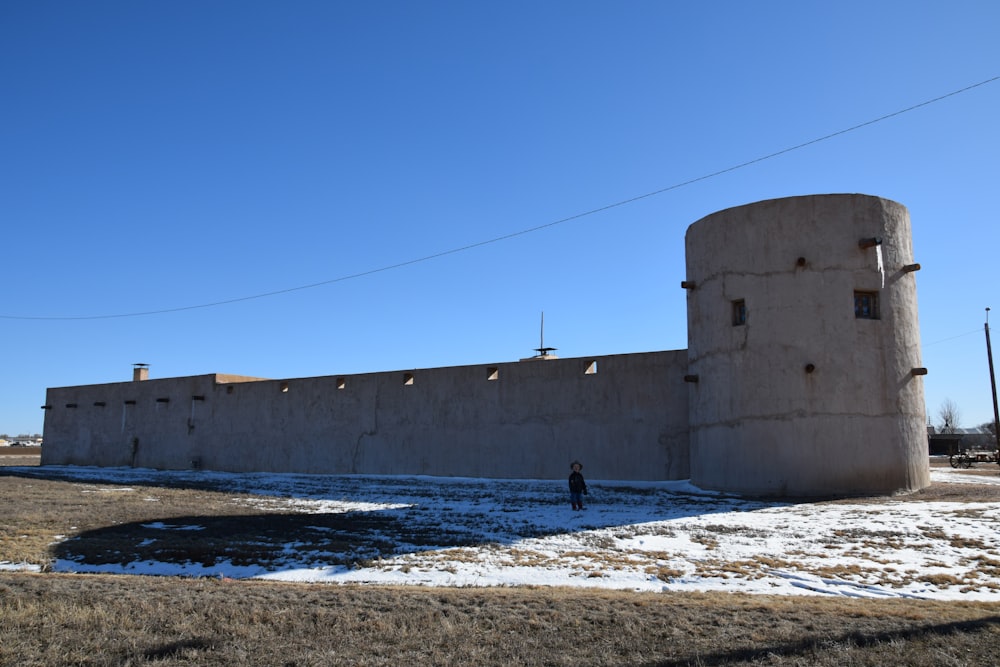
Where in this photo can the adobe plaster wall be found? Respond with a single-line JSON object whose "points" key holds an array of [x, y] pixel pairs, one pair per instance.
{"points": [[627, 420], [803, 399]]}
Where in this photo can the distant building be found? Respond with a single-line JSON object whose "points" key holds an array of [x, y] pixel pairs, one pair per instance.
{"points": [[802, 378], [956, 440]]}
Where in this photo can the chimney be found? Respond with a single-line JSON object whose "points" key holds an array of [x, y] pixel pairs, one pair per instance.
{"points": [[140, 372]]}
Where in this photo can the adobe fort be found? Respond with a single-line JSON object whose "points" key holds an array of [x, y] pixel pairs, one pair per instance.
{"points": [[802, 377]]}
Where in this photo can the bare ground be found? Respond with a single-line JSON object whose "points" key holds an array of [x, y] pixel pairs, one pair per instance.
{"points": [[102, 620]]}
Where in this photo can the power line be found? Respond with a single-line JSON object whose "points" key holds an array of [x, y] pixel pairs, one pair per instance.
{"points": [[522, 232], [945, 340]]}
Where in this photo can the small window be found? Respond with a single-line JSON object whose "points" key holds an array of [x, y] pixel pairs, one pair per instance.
{"points": [[866, 305], [492, 373], [341, 383], [284, 387], [591, 369], [739, 312], [407, 379]]}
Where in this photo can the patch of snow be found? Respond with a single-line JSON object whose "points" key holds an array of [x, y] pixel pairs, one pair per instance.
{"points": [[159, 525], [642, 536], [7, 566]]}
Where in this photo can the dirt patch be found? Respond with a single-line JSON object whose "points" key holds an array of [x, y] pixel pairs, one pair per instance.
{"points": [[20, 456]]}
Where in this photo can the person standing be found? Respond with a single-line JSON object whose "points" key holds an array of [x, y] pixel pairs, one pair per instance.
{"points": [[577, 485]]}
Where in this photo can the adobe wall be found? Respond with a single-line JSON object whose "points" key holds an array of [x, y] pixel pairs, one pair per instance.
{"points": [[802, 398], [805, 398], [627, 420]]}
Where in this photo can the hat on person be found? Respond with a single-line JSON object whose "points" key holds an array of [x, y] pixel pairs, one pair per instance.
{"points": [[576, 463]]}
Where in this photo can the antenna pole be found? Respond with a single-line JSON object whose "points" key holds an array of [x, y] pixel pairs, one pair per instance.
{"points": [[993, 384], [543, 352]]}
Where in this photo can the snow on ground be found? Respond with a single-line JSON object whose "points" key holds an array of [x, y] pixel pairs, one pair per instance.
{"points": [[655, 536]]}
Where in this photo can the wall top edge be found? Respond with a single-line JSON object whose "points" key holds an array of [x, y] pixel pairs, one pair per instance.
{"points": [[763, 203], [223, 378]]}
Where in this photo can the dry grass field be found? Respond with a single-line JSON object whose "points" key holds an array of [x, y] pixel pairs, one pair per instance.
{"points": [[103, 620]]}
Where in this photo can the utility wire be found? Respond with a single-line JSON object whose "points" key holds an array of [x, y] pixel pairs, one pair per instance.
{"points": [[522, 232], [945, 340]]}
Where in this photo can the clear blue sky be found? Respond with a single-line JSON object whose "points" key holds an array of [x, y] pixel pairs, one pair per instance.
{"points": [[156, 156]]}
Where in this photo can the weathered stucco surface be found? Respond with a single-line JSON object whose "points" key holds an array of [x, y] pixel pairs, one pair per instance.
{"points": [[801, 399], [627, 420], [805, 398]]}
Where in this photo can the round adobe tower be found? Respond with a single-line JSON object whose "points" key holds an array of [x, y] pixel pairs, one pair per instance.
{"points": [[804, 349]]}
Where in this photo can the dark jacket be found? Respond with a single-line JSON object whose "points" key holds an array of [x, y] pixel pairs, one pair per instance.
{"points": [[576, 483]]}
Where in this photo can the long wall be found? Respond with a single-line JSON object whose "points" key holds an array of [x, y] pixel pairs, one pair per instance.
{"points": [[625, 416], [802, 377]]}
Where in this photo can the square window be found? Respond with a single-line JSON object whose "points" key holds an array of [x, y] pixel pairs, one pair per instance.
{"points": [[739, 312], [866, 305]]}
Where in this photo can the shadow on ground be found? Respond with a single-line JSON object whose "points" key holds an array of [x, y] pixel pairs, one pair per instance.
{"points": [[316, 521]]}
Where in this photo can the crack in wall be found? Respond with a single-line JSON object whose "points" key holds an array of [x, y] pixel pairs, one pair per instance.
{"points": [[373, 431]]}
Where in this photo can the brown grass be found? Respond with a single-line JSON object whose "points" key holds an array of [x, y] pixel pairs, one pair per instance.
{"points": [[98, 621], [104, 620]]}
